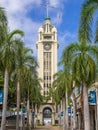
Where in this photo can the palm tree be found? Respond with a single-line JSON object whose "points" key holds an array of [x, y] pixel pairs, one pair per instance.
{"points": [[26, 91], [88, 28], [19, 46], [36, 98], [89, 14], [25, 72], [31, 89], [7, 58], [83, 58], [63, 82], [57, 94], [21, 59]]}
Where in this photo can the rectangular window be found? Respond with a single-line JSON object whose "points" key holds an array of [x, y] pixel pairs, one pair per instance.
{"points": [[47, 69], [47, 37]]}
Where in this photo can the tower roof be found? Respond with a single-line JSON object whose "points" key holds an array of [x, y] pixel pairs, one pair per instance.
{"points": [[48, 18], [47, 24]]}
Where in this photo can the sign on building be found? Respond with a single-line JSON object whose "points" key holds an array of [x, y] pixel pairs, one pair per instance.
{"points": [[92, 99], [1, 96], [69, 110]]}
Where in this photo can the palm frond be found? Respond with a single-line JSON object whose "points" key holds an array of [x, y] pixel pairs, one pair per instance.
{"points": [[3, 17], [87, 12], [14, 33]]}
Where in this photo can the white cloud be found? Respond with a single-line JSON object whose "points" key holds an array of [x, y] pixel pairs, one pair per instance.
{"points": [[67, 38], [57, 3], [18, 16], [57, 6], [14, 6], [57, 20], [17, 12]]}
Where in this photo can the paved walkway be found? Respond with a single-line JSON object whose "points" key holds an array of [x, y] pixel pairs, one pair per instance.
{"points": [[48, 127]]}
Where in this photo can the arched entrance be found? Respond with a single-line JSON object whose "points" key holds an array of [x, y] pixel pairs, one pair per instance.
{"points": [[47, 115]]}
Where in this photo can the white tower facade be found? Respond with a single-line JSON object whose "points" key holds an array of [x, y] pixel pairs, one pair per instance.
{"points": [[47, 45]]}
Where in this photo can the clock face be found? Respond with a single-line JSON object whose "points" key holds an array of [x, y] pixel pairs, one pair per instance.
{"points": [[47, 46]]}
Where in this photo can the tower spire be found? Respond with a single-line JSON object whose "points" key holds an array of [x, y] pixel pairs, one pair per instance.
{"points": [[47, 5]]}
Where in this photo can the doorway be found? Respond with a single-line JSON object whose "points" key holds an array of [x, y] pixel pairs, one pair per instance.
{"points": [[47, 116]]}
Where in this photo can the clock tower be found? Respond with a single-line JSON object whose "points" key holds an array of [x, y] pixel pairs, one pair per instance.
{"points": [[47, 46]]}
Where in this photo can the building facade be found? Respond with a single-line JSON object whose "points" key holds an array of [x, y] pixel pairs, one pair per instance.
{"points": [[93, 108], [47, 46]]}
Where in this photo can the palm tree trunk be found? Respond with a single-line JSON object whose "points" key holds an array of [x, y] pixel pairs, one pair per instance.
{"points": [[74, 111], [18, 105], [64, 118], [86, 108], [60, 113], [6, 79], [32, 116], [28, 112], [23, 115], [66, 110], [82, 108]]}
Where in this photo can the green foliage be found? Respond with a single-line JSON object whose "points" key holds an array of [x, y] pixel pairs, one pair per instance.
{"points": [[1, 79], [8, 49], [62, 83], [88, 13], [20, 64], [3, 17], [84, 59], [25, 73]]}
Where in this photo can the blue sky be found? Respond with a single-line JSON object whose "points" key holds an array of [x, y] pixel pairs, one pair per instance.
{"points": [[29, 15]]}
